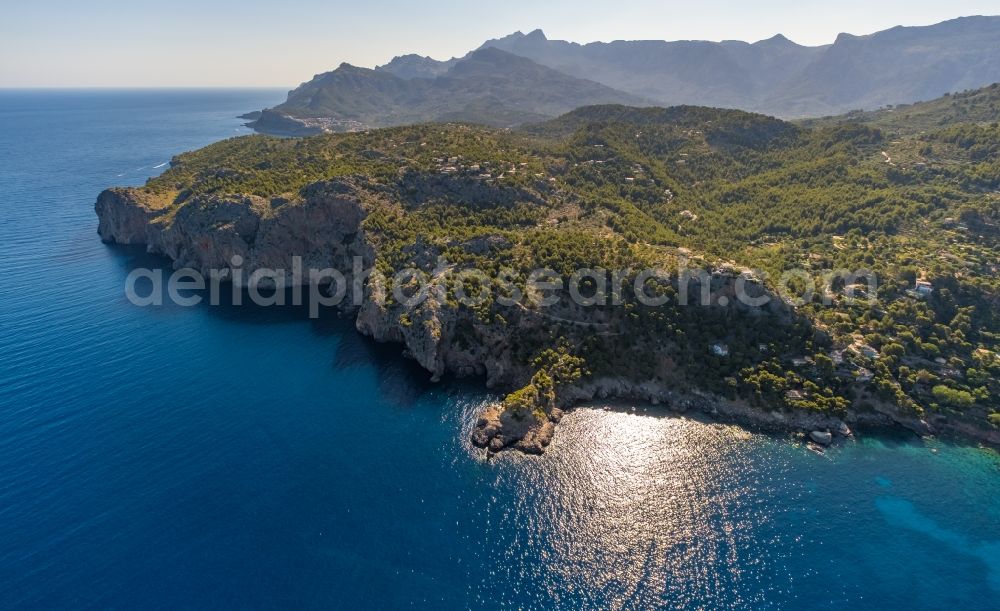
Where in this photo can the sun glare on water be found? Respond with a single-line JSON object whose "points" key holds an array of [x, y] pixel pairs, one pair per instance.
{"points": [[642, 504]]}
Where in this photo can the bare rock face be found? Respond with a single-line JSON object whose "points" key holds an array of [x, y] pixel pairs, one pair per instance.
{"points": [[729, 287], [487, 432], [323, 230], [441, 337], [822, 437], [424, 329], [124, 215], [206, 233]]}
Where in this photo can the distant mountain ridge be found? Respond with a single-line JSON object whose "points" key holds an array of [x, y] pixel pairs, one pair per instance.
{"points": [[779, 77], [729, 74], [526, 77], [488, 86]]}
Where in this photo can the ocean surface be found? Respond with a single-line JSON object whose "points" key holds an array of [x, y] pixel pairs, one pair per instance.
{"points": [[247, 457]]}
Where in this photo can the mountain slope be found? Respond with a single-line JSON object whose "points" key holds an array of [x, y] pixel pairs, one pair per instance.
{"points": [[487, 86], [777, 76], [974, 106], [416, 66], [729, 74], [900, 65]]}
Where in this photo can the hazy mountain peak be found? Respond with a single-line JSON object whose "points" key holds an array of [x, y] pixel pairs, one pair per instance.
{"points": [[487, 61], [846, 38], [518, 35], [409, 57], [415, 66], [493, 54], [535, 38], [778, 40], [346, 67]]}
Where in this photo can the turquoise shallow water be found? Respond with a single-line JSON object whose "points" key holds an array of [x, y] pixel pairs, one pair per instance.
{"points": [[246, 457]]}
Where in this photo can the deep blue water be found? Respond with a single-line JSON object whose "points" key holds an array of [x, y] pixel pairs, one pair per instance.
{"points": [[240, 457]]}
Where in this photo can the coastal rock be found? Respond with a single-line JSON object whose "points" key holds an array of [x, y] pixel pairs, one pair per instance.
{"points": [[498, 428], [537, 439], [249, 239], [322, 230], [496, 423], [126, 215], [207, 232], [822, 437]]}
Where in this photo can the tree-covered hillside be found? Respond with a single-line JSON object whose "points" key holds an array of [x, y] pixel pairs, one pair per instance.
{"points": [[616, 187], [972, 106]]}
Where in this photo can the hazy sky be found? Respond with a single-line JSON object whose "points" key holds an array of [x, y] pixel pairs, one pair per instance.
{"points": [[137, 43]]}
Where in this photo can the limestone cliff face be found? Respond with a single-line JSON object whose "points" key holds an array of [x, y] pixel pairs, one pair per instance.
{"points": [[325, 230], [443, 338], [206, 233], [424, 329], [125, 215]]}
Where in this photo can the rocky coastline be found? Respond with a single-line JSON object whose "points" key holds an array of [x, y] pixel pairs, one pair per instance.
{"points": [[247, 233], [495, 429]]}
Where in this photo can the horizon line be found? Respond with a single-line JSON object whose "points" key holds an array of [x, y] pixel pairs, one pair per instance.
{"points": [[139, 87]]}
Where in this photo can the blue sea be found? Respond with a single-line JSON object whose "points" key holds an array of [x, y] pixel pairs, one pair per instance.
{"points": [[245, 457]]}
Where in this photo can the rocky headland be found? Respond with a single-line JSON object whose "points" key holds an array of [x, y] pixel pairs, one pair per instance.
{"points": [[800, 281], [325, 228]]}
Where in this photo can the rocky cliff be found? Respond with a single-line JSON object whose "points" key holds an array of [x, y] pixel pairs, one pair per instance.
{"points": [[238, 235], [207, 232]]}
